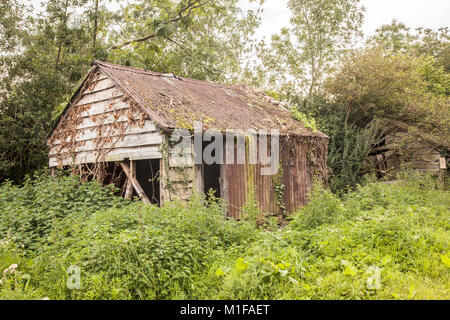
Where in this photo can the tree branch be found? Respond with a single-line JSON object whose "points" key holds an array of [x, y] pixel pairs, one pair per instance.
{"points": [[189, 8]]}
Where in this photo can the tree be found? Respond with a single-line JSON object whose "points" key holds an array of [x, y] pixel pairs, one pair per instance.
{"points": [[203, 39], [10, 15], [406, 92], [396, 37], [303, 54], [38, 76]]}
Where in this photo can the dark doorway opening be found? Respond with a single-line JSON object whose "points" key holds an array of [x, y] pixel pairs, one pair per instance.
{"points": [[211, 174], [147, 174]]}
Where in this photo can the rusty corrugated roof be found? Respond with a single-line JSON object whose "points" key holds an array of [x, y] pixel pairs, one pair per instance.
{"points": [[175, 102]]}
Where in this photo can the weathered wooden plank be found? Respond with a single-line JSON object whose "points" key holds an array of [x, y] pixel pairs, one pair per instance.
{"points": [[426, 157], [128, 141], [427, 171], [110, 131], [100, 107], [422, 151], [110, 118], [199, 181], [129, 188], [224, 185], [185, 175], [164, 193], [181, 156], [137, 153], [100, 85], [100, 96], [380, 162], [442, 163], [176, 161], [181, 192], [425, 165]]}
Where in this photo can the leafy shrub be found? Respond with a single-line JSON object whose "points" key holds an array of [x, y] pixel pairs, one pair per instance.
{"points": [[349, 144], [377, 242], [141, 252], [29, 212], [324, 207]]}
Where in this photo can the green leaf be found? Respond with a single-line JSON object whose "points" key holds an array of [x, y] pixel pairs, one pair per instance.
{"points": [[445, 260], [349, 269], [219, 272], [241, 264]]}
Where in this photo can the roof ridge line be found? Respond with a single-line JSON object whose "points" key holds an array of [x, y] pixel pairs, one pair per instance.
{"points": [[159, 74]]}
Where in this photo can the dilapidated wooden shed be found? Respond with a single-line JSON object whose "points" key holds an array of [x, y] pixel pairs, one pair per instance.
{"points": [[117, 128], [402, 150]]}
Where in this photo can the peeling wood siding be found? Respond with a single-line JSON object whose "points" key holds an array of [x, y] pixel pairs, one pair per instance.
{"points": [[118, 141], [99, 96], [115, 155], [105, 124]]}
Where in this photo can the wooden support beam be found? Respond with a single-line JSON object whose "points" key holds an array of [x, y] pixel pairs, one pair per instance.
{"points": [[132, 177], [199, 178], [442, 163], [129, 190]]}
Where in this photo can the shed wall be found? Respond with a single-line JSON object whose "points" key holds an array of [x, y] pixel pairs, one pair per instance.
{"points": [[301, 159], [103, 125]]}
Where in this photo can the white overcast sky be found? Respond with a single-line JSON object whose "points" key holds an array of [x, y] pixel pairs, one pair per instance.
{"points": [[414, 13]]}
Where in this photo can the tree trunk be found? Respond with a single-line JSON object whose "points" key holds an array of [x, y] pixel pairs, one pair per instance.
{"points": [[64, 27], [94, 35]]}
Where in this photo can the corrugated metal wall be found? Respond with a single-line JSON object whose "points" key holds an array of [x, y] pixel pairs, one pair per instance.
{"points": [[300, 162]]}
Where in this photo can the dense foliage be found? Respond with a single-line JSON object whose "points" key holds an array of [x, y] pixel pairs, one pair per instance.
{"points": [[349, 143], [379, 242], [402, 90]]}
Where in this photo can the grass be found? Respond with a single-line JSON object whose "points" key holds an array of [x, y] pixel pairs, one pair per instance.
{"points": [[377, 242]]}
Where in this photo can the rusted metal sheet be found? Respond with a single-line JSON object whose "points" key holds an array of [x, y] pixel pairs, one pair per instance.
{"points": [[300, 160], [298, 174]]}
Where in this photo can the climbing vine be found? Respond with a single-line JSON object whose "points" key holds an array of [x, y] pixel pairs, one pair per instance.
{"points": [[71, 136], [279, 189], [183, 177]]}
